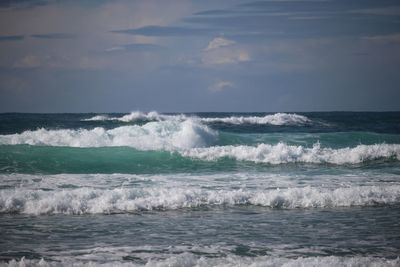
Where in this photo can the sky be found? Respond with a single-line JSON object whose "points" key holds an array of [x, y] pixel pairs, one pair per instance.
{"points": [[199, 55]]}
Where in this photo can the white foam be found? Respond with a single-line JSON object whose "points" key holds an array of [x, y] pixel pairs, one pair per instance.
{"points": [[283, 153], [98, 118], [160, 135], [274, 119], [138, 115], [92, 201], [190, 260]]}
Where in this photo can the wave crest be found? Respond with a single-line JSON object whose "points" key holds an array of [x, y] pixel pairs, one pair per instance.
{"points": [[166, 135], [283, 153], [89, 200], [273, 119]]}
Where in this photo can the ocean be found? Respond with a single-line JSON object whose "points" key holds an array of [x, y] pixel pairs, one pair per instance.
{"points": [[200, 189]]}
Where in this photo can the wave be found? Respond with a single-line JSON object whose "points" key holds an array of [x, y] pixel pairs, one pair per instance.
{"points": [[189, 260], [283, 153], [273, 119], [125, 200], [163, 135], [192, 139]]}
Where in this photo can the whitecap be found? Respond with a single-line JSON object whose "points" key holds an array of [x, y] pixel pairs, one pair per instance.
{"points": [[88, 200], [272, 119], [159, 135], [283, 153]]}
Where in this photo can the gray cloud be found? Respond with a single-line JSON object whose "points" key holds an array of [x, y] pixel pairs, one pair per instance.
{"points": [[166, 31], [11, 38], [54, 36], [297, 19], [13, 4]]}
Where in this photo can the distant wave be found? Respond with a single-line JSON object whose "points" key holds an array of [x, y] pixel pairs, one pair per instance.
{"points": [[283, 153], [274, 119], [93, 201], [187, 259]]}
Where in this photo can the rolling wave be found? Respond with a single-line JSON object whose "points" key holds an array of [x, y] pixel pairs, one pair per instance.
{"points": [[273, 119], [120, 200]]}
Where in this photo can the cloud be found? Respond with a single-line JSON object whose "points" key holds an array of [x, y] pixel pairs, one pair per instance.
{"points": [[218, 42], [135, 47], [12, 4], [11, 38], [221, 51], [226, 57], [220, 86], [155, 30], [54, 36]]}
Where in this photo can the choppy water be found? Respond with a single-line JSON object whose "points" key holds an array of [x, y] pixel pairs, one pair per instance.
{"points": [[208, 189]]}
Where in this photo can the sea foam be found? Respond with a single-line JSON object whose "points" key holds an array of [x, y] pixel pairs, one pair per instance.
{"points": [[92, 201]]}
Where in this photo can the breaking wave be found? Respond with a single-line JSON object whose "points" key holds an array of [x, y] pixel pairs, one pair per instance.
{"points": [[273, 119], [190, 260], [191, 138], [283, 153], [120, 200], [163, 135]]}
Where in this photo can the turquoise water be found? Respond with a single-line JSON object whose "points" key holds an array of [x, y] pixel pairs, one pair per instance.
{"points": [[206, 189]]}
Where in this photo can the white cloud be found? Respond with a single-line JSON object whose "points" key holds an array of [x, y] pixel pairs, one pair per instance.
{"points": [[220, 86], [221, 51], [115, 48], [225, 56], [218, 42]]}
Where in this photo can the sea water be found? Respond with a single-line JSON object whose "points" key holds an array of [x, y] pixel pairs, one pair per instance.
{"points": [[204, 189]]}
